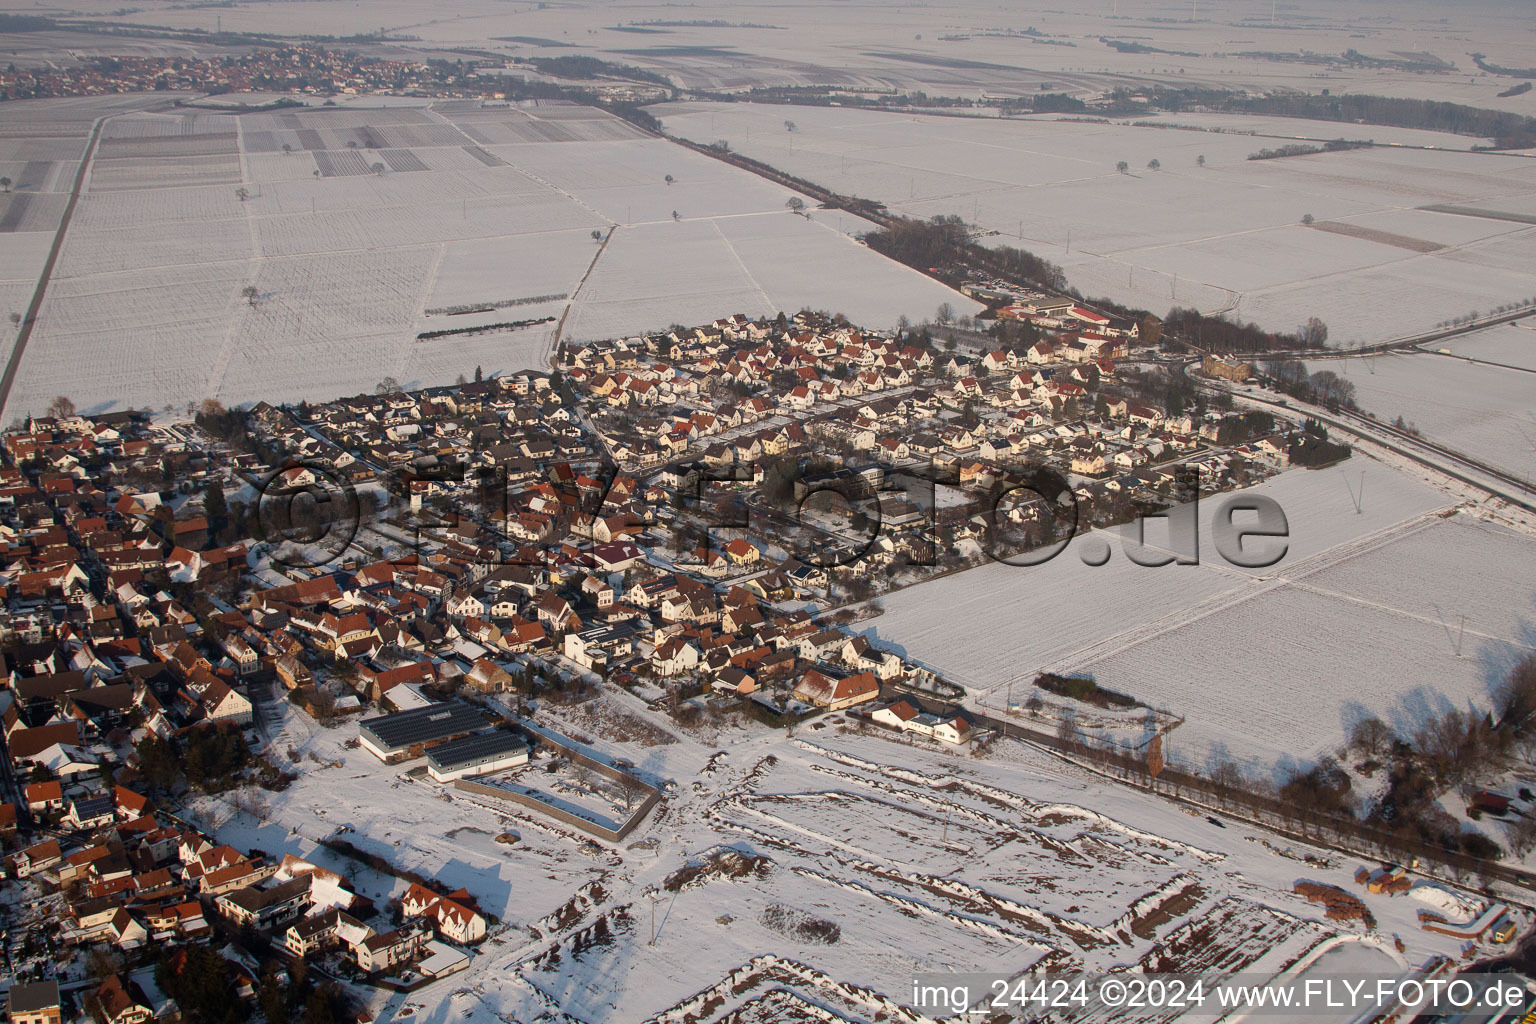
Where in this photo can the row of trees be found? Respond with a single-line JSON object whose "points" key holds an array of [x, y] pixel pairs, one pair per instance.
{"points": [[1453, 748], [1508, 128], [208, 759], [1215, 333], [1324, 387]]}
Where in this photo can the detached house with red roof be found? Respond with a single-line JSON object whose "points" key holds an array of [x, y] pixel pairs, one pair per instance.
{"points": [[454, 916], [835, 694]]}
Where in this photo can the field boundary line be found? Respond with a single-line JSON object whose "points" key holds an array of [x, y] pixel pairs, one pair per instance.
{"points": [[29, 318], [559, 332]]}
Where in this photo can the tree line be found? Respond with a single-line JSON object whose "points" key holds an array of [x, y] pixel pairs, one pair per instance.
{"points": [[1508, 129]]}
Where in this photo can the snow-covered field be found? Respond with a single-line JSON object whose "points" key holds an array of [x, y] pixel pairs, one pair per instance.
{"points": [[913, 861], [1485, 411], [964, 47], [361, 227], [40, 149], [1364, 613], [1222, 236], [1511, 344]]}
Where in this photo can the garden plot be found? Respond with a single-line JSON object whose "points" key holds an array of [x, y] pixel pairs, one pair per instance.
{"points": [[1224, 235], [1485, 411], [1137, 882]]}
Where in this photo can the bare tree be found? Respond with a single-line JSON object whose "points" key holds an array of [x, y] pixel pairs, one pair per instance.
{"points": [[669, 179], [287, 149], [631, 790], [5, 184], [1200, 160], [387, 385], [1515, 697], [242, 193], [1307, 219], [676, 215], [1123, 167], [795, 204], [378, 168], [1226, 778], [1313, 333], [1154, 164], [597, 236], [1371, 736], [61, 408], [250, 294], [945, 313], [1522, 835], [1066, 729], [789, 126]]}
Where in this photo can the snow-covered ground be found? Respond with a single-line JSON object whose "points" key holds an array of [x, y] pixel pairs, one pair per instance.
{"points": [[923, 861], [1223, 236], [1363, 616], [1511, 344], [966, 47], [1485, 411], [360, 228]]}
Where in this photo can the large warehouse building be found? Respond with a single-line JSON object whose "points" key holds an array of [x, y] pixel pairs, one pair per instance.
{"points": [[476, 755], [407, 734]]}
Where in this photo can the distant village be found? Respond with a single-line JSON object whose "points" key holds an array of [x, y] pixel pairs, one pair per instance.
{"points": [[302, 70], [699, 517]]}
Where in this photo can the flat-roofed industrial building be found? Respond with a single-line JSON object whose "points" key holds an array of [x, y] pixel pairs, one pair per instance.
{"points": [[477, 755], [407, 734]]}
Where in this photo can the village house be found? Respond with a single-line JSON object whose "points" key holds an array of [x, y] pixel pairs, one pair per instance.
{"points": [[835, 694]]}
